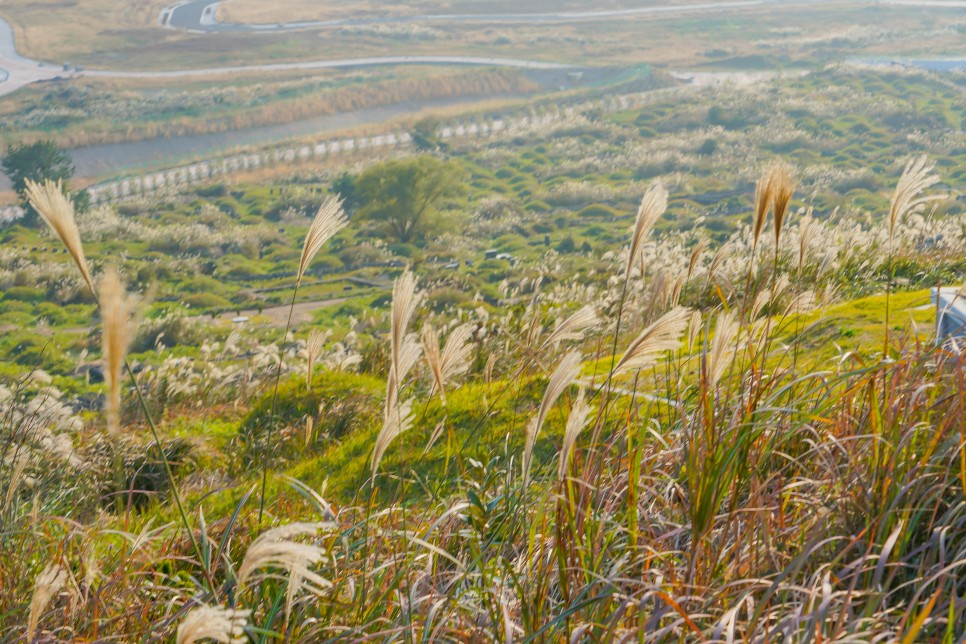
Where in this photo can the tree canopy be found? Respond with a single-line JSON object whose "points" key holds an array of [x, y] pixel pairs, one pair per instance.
{"points": [[38, 162], [405, 195]]}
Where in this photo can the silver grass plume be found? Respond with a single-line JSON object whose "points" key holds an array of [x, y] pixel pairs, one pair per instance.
{"points": [[454, 359], [694, 328], [782, 189], [573, 327], [404, 353], [275, 548], [696, 253], [118, 317], [225, 625], [663, 335], [907, 199], [50, 200], [723, 347], [576, 421], [313, 349], [397, 422], [329, 220], [653, 206], [807, 230], [763, 200], [48, 584], [562, 377]]}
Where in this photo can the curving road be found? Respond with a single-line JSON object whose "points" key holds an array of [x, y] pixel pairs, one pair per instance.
{"points": [[17, 71], [200, 15]]}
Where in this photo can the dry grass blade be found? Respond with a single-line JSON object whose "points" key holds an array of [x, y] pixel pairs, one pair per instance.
{"points": [[723, 347], [50, 200], [118, 312], [573, 327], [225, 625], [562, 377], [328, 221], [653, 206], [48, 584], [397, 421], [907, 199], [663, 335], [576, 421]]}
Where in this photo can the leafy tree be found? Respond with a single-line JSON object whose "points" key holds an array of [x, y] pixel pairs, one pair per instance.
{"points": [[36, 161], [345, 187], [405, 195]]}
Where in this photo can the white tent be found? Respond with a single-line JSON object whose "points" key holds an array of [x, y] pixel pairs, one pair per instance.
{"points": [[950, 303]]}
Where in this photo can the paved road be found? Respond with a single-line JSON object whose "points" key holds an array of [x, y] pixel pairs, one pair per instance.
{"points": [[200, 15], [17, 71]]}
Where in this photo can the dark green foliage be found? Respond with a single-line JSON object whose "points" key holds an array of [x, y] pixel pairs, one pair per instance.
{"points": [[38, 161]]}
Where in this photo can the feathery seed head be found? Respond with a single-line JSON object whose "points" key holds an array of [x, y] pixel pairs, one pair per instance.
{"points": [[397, 421], [275, 548], [917, 176], [225, 625], [783, 187], [329, 220], [575, 424], [763, 200], [118, 314], [48, 584], [653, 206], [51, 201], [562, 377], [573, 327], [723, 347], [313, 349], [663, 335]]}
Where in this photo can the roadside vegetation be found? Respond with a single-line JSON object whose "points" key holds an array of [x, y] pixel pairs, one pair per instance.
{"points": [[669, 375]]}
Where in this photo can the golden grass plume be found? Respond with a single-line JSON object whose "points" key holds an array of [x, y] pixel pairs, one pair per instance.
{"points": [[51, 201], [329, 220], [653, 206], [663, 335], [454, 359], [576, 422], [118, 317], [563, 376], [225, 625], [917, 176], [47, 585]]}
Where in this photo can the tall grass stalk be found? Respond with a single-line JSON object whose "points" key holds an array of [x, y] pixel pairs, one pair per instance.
{"points": [[329, 220]]}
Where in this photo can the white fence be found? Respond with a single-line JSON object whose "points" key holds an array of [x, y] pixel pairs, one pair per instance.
{"points": [[204, 171]]}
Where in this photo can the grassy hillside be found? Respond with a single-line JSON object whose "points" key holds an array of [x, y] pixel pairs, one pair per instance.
{"points": [[711, 414]]}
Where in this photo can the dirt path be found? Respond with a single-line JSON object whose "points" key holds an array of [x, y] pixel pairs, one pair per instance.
{"points": [[278, 315]]}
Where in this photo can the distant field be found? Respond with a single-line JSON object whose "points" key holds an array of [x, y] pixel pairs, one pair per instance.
{"points": [[124, 35], [256, 11], [58, 31]]}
